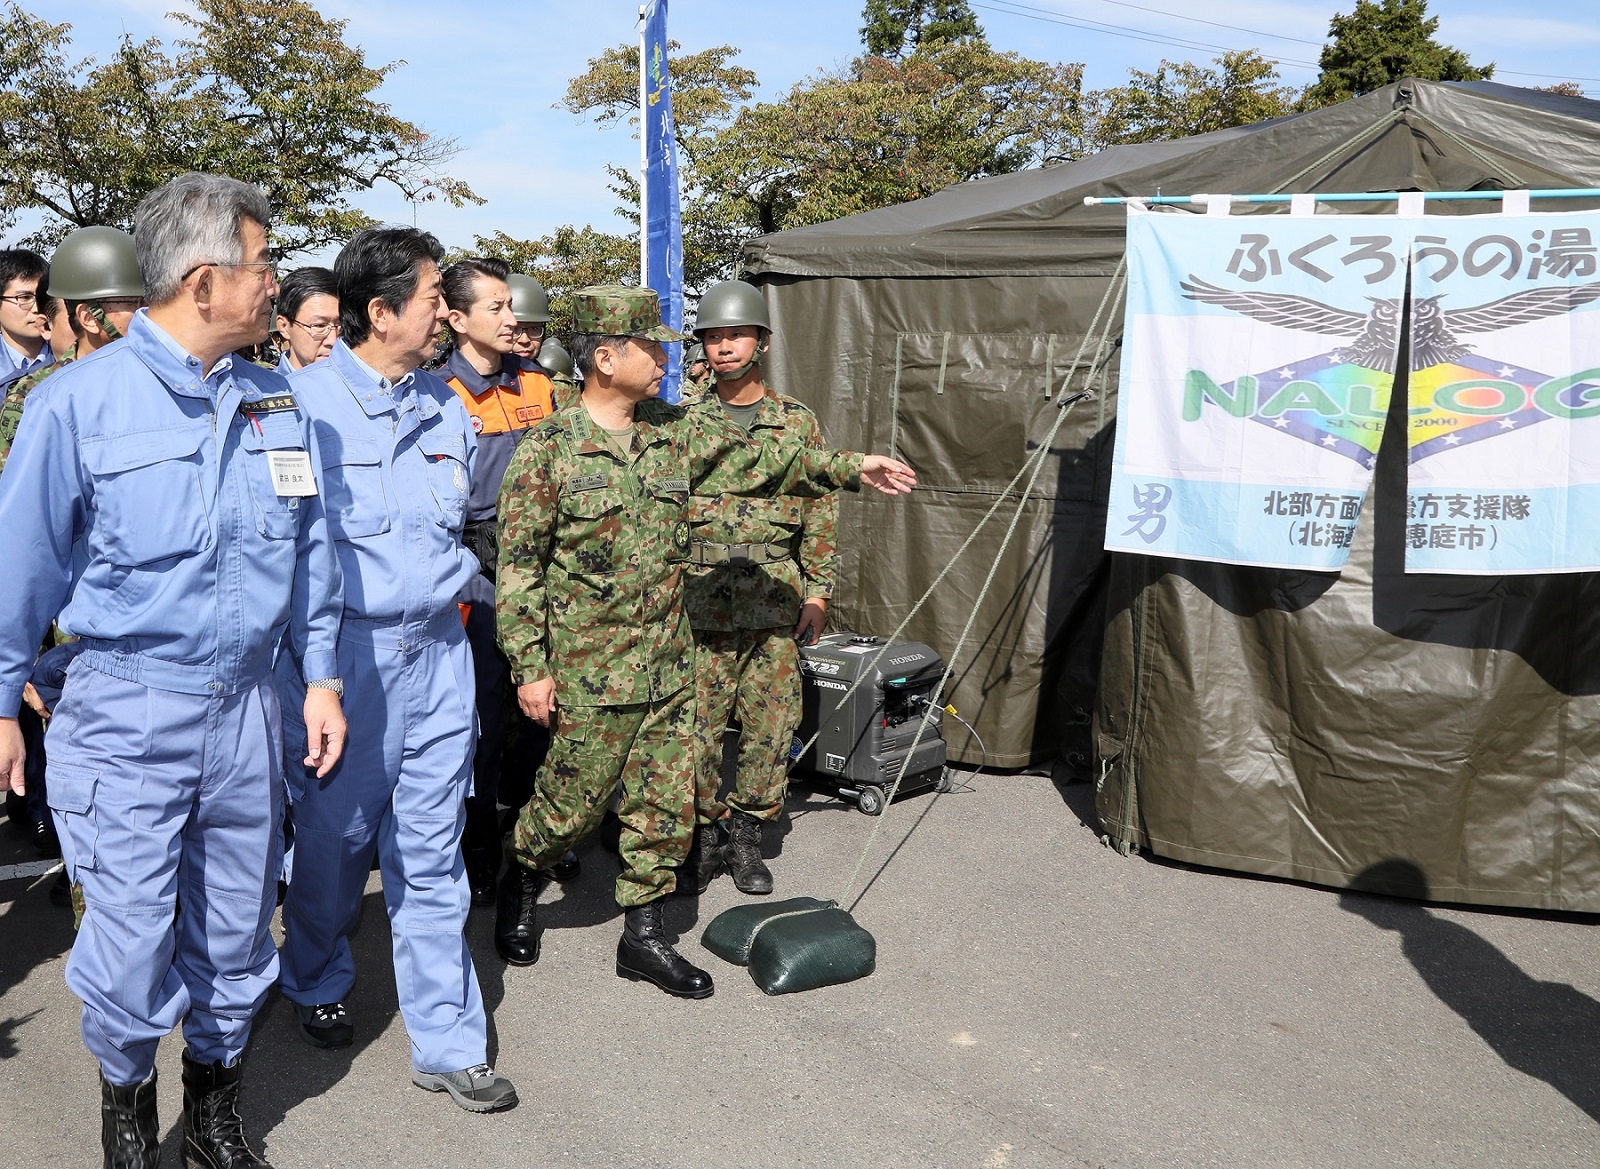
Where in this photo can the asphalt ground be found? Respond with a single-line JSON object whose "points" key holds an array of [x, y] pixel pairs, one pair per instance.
{"points": [[1039, 1000]]}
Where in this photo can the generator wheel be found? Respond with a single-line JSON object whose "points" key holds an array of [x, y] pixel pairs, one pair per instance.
{"points": [[870, 801], [945, 783]]}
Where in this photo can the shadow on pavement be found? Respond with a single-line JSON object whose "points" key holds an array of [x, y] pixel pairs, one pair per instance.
{"points": [[1547, 1030], [284, 1070], [36, 931]]}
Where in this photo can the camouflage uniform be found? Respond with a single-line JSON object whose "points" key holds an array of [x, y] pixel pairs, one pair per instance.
{"points": [[592, 548], [743, 616], [566, 391], [17, 393]]}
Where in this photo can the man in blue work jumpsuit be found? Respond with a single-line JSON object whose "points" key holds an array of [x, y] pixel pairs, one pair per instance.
{"points": [[398, 453], [164, 500]]}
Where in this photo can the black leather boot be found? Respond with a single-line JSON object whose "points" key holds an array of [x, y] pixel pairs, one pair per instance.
{"points": [[213, 1134], [704, 862], [480, 848], [516, 916], [750, 872], [129, 1133], [645, 955], [566, 868]]}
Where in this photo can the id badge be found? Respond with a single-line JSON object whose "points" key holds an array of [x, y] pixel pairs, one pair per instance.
{"points": [[291, 472]]}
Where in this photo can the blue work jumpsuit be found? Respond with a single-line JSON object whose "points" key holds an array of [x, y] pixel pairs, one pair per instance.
{"points": [[139, 503], [398, 460]]}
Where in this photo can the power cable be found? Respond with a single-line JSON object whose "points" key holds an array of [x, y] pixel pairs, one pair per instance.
{"points": [[1214, 24], [1054, 16], [1047, 16]]}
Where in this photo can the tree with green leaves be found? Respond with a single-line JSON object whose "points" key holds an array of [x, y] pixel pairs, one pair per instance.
{"points": [[877, 132], [566, 259], [1177, 100], [1379, 42], [266, 91], [882, 131], [896, 28]]}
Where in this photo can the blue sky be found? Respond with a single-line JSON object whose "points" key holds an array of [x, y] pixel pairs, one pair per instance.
{"points": [[488, 73]]}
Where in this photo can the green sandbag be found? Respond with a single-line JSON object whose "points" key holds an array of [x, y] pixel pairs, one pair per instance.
{"points": [[730, 933], [794, 945]]}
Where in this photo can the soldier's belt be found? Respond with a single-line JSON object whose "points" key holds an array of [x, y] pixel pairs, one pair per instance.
{"points": [[739, 555]]}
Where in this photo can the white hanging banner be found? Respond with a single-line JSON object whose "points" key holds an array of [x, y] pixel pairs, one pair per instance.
{"points": [[1258, 360], [1504, 433]]}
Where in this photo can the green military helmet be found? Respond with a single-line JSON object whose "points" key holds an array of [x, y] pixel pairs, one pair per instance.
{"points": [[730, 303], [94, 263], [529, 304], [554, 358], [726, 306]]}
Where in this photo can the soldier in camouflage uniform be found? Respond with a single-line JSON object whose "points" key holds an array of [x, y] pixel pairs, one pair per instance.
{"points": [[96, 275], [559, 362], [759, 578], [594, 533]]}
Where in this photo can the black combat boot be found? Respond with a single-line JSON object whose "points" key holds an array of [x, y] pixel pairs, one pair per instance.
{"points": [[129, 1133], [568, 867], [516, 916], [213, 1134], [705, 860], [750, 872], [480, 848], [645, 955]]}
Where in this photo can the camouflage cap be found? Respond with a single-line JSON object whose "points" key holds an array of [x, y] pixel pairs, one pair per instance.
{"points": [[619, 310]]}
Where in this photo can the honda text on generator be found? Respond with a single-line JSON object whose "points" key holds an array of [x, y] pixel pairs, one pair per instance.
{"points": [[864, 735]]}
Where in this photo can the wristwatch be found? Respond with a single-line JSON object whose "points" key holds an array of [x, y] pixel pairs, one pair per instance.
{"points": [[334, 684]]}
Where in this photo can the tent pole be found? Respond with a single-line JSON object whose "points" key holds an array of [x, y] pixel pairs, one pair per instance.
{"points": [[644, 161], [1345, 197]]}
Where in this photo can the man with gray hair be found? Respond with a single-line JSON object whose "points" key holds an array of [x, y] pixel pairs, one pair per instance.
{"points": [[168, 495]]}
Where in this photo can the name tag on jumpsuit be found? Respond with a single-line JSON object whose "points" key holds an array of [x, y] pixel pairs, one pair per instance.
{"points": [[291, 472]]}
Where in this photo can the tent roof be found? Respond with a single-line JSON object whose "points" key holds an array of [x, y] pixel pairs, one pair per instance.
{"points": [[1412, 135]]}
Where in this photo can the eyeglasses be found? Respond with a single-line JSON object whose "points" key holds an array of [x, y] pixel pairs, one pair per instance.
{"points": [[24, 300], [269, 268], [529, 330], [318, 332]]}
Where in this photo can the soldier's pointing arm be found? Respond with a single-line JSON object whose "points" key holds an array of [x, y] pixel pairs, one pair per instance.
{"points": [[712, 441], [792, 468], [819, 535]]}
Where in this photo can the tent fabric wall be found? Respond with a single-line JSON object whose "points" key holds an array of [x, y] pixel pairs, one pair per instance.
{"points": [[1317, 727], [967, 408], [1293, 724]]}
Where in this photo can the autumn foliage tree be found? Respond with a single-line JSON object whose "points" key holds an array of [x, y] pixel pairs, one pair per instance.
{"points": [[1177, 100], [264, 90]]}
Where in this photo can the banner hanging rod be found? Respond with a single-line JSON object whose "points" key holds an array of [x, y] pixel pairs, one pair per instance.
{"points": [[1345, 197]]}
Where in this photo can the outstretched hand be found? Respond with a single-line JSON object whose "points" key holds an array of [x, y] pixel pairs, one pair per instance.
{"points": [[890, 476]]}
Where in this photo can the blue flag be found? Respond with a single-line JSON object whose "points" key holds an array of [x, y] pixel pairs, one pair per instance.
{"points": [[663, 225]]}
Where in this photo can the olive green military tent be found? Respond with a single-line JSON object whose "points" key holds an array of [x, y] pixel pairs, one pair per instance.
{"points": [[1297, 724]]}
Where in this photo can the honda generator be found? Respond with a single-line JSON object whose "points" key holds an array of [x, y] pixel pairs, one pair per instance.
{"points": [[865, 701]]}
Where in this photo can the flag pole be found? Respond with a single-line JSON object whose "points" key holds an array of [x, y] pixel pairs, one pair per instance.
{"points": [[644, 163]]}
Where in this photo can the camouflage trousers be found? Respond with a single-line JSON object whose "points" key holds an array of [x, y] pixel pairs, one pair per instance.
{"points": [[649, 749], [753, 674]]}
